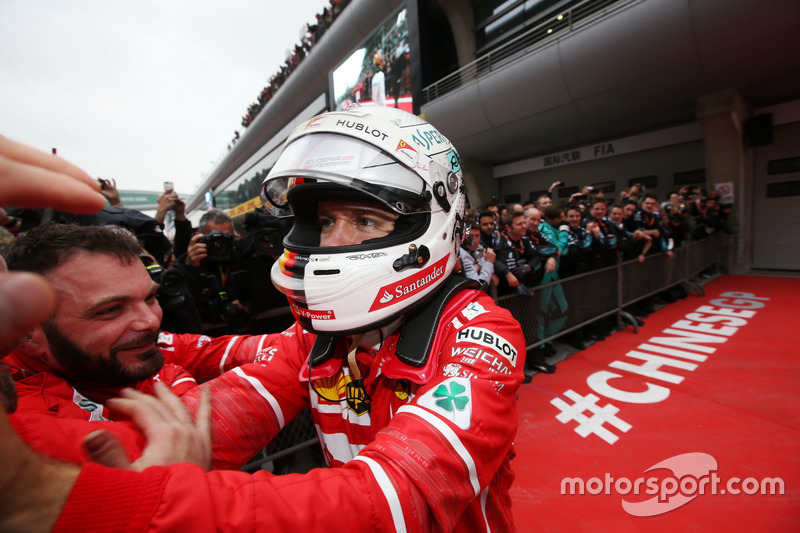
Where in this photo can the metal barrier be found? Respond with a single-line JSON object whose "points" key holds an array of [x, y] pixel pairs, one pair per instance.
{"points": [[561, 307], [556, 309]]}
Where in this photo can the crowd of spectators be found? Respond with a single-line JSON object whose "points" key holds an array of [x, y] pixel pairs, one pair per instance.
{"points": [[539, 242], [311, 35], [212, 277]]}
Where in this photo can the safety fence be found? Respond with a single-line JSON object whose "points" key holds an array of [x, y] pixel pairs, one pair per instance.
{"points": [[556, 309]]}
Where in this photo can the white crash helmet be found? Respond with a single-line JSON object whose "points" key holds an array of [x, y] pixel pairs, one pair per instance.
{"points": [[376, 154]]}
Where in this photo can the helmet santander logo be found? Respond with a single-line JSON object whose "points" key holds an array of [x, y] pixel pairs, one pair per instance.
{"points": [[408, 287]]}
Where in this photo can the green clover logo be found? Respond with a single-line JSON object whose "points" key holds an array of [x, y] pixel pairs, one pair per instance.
{"points": [[450, 400]]}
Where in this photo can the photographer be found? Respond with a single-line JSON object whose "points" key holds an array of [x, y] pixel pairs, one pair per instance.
{"points": [[215, 274], [170, 201], [260, 247], [477, 261]]}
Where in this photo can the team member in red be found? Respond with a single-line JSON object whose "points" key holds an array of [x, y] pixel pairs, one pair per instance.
{"points": [[104, 335]]}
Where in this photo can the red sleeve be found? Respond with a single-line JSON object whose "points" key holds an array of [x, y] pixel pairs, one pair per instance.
{"points": [[62, 438], [253, 402], [205, 357], [183, 497]]}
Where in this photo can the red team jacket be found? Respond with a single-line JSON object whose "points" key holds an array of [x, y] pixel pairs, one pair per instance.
{"points": [[419, 448], [53, 417]]}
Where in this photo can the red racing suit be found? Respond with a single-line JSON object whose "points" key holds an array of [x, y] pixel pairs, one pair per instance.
{"points": [[420, 448], [53, 416]]}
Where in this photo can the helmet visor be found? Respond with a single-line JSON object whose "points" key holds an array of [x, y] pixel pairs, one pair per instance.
{"points": [[335, 159]]}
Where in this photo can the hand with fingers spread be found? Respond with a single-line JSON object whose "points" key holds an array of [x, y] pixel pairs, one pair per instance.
{"points": [[172, 435]]}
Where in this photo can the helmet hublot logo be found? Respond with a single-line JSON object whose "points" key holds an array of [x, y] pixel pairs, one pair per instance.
{"points": [[358, 126], [407, 287]]}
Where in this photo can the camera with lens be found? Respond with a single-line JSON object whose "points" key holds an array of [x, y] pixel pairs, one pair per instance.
{"points": [[217, 302], [219, 246], [171, 285], [236, 317], [267, 241], [264, 233]]}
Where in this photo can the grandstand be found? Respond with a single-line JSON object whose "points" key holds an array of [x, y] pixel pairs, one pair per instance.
{"points": [[592, 92]]}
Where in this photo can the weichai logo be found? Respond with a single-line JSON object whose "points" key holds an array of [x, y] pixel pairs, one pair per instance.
{"points": [[405, 288]]}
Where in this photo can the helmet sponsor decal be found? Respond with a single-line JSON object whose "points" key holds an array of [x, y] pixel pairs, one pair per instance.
{"points": [[455, 160], [312, 314], [410, 286], [489, 339], [452, 400], [428, 138], [406, 150], [316, 121], [293, 265], [334, 161], [361, 128], [369, 255]]}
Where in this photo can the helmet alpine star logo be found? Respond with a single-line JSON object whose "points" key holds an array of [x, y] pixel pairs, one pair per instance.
{"points": [[405, 288]]}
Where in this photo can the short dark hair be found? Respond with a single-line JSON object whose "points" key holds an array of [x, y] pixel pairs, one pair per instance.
{"points": [[552, 211], [509, 217], [217, 216], [46, 247]]}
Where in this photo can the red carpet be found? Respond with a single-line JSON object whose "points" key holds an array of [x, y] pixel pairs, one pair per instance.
{"points": [[708, 390]]}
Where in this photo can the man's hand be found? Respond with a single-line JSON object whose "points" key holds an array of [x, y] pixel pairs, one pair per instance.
{"points": [[166, 203], [196, 251], [179, 208], [550, 265], [108, 188], [34, 179], [512, 280], [488, 255], [172, 435]]}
